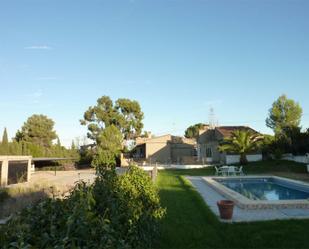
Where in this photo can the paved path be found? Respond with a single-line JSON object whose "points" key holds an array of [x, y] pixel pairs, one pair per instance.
{"points": [[241, 215]]}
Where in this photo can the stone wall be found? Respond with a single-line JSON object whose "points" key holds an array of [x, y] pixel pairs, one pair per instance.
{"points": [[233, 159]]}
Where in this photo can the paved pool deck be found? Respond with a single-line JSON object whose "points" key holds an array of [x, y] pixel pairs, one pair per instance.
{"points": [[211, 197]]}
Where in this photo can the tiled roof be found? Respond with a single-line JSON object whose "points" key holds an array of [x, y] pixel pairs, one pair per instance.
{"points": [[226, 131]]}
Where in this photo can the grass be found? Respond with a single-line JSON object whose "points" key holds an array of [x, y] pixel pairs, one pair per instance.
{"points": [[189, 223]]}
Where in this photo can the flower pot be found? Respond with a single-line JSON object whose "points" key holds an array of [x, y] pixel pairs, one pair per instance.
{"points": [[226, 208]]}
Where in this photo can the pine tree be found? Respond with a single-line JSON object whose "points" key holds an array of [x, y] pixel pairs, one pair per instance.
{"points": [[73, 147], [285, 113], [5, 143], [58, 142]]}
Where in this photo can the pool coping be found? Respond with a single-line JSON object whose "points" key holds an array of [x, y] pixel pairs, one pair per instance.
{"points": [[245, 203]]}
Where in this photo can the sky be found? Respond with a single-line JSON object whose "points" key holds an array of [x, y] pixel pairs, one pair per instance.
{"points": [[177, 58]]}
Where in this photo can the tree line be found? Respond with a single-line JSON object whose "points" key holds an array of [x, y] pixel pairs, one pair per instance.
{"points": [[284, 118], [109, 125], [36, 138]]}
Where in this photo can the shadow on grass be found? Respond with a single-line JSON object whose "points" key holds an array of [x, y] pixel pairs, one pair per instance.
{"points": [[15, 204], [16, 198]]}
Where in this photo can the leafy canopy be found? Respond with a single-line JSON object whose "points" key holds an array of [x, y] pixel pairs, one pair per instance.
{"points": [[284, 113], [39, 130], [125, 114], [193, 130], [108, 148], [241, 142], [293, 141]]}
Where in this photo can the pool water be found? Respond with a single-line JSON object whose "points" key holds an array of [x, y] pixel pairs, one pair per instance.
{"points": [[264, 189]]}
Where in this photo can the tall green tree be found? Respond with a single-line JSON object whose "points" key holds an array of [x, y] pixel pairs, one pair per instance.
{"points": [[108, 148], [130, 117], [19, 136], [74, 152], [241, 142], [39, 130], [73, 146], [5, 143], [284, 113], [193, 130], [58, 144], [125, 114], [296, 141]]}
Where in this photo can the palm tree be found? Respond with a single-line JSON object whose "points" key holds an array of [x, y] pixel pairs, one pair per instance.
{"points": [[241, 142]]}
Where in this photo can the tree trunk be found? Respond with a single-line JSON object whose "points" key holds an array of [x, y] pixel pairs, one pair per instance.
{"points": [[243, 158]]}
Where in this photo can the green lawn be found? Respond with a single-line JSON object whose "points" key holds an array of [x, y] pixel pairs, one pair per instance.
{"points": [[189, 223]]}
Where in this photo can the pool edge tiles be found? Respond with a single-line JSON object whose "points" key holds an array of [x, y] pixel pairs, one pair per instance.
{"points": [[245, 203]]}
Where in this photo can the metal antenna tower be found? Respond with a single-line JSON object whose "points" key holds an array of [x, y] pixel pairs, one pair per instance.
{"points": [[212, 118]]}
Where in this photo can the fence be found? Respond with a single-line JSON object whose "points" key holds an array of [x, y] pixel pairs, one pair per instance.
{"points": [[298, 159], [232, 159]]}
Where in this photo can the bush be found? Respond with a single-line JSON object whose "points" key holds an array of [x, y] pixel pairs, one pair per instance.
{"points": [[113, 212], [133, 204], [86, 157], [3, 195], [15, 199]]}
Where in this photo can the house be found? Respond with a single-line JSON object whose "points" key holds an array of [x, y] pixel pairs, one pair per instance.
{"points": [[164, 149], [210, 138]]}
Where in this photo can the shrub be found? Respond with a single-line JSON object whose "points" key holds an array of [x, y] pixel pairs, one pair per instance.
{"points": [[132, 202], [15, 199], [86, 157], [113, 212], [3, 195]]}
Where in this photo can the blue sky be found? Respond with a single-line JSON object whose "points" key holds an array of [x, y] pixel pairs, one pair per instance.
{"points": [[176, 57]]}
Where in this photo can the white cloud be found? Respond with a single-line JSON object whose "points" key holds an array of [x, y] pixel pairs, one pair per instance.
{"points": [[37, 94], [39, 47]]}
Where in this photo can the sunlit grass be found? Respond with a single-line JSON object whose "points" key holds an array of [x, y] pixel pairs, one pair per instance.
{"points": [[189, 223]]}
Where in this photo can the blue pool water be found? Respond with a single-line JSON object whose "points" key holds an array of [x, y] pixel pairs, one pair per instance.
{"points": [[265, 189]]}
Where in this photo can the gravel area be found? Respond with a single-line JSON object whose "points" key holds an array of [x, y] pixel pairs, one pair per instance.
{"points": [[67, 178]]}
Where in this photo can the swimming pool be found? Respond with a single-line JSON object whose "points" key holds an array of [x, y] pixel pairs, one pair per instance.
{"points": [[261, 192], [265, 189]]}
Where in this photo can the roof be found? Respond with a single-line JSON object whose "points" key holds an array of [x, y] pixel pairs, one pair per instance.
{"points": [[164, 139], [143, 140], [227, 131]]}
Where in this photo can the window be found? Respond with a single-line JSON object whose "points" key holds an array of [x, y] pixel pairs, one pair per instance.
{"points": [[208, 152]]}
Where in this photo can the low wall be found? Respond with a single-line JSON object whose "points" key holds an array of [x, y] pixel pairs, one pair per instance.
{"points": [[232, 159], [298, 159], [175, 166]]}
